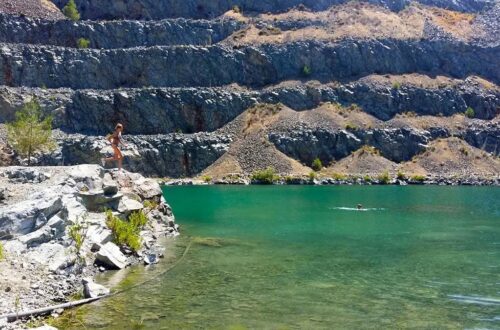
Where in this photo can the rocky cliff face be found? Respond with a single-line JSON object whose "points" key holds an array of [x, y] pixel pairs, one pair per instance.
{"points": [[154, 10], [54, 67], [185, 81]]}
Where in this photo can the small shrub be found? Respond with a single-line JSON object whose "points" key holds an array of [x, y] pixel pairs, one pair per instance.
{"points": [[237, 9], [137, 219], [317, 165], [312, 176], [464, 151], [367, 178], [2, 254], [150, 204], [206, 178], [418, 178], [127, 232], [384, 178], [267, 176], [351, 127], [400, 175], [396, 85], [470, 113], [77, 233], [70, 11], [83, 43], [306, 70], [339, 176], [288, 179]]}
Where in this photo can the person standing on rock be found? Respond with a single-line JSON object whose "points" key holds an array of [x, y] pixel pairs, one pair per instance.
{"points": [[115, 139]]}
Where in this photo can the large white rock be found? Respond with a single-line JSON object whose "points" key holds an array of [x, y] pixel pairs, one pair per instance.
{"points": [[128, 205], [93, 290], [111, 256]]}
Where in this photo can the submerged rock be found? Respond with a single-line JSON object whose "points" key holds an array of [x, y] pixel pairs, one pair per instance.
{"points": [[92, 289]]}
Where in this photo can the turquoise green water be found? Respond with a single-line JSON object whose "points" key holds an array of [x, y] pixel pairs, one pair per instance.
{"points": [[286, 257]]}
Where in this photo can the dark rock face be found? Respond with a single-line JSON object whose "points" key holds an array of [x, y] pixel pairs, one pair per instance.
{"points": [[398, 145], [487, 138], [395, 144], [158, 9], [23, 65], [173, 155], [115, 34]]}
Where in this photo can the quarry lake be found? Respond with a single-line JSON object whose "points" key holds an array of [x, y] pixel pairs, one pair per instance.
{"points": [[303, 257]]}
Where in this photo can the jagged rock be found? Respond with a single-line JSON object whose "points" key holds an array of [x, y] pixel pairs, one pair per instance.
{"points": [[92, 289], [128, 205], [110, 255], [254, 66], [147, 188], [25, 175], [111, 34], [24, 217], [96, 200], [97, 236], [109, 186]]}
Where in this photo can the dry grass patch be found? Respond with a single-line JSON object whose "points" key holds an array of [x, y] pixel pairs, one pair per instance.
{"points": [[453, 157], [362, 162]]}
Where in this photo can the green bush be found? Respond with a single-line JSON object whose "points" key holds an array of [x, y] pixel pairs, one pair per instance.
{"points": [[470, 113], [83, 43], [206, 178], [384, 178], [418, 178], [351, 127], [367, 178], [70, 11], [127, 232], [150, 204], [401, 175], [396, 85], [1, 252], [77, 233], [306, 70], [267, 176], [339, 176], [312, 176], [317, 165]]}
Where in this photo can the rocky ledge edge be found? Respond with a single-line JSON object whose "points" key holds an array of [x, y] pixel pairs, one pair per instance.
{"points": [[39, 209], [340, 179]]}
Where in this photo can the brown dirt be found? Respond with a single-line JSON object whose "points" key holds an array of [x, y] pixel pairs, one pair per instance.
{"points": [[361, 21], [31, 8], [453, 157], [364, 161]]}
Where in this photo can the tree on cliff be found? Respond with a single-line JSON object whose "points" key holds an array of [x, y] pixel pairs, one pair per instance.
{"points": [[70, 11], [30, 132]]}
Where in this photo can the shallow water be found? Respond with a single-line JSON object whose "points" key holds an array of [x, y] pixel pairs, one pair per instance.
{"points": [[304, 257]]}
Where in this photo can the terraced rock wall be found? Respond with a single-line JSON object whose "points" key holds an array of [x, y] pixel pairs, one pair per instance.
{"points": [[185, 87]]}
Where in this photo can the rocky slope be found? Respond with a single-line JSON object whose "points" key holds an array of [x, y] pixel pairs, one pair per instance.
{"points": [[187, 77]]}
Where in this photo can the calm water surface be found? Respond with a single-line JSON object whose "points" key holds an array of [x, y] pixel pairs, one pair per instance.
{"points": [[291, 257]]}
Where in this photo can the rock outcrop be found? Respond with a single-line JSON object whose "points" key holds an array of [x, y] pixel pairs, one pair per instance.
{"points": [[54, 233]]}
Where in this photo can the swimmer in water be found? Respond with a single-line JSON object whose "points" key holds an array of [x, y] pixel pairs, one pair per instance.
{"points": [[360, 206]]}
